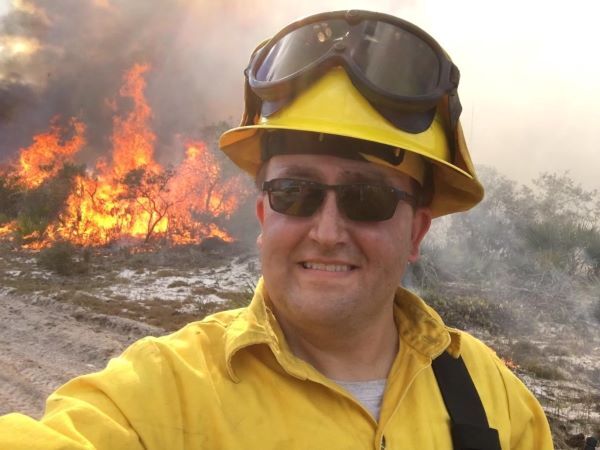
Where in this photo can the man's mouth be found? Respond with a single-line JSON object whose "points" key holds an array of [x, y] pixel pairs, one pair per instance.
{"points": [[328, 267]]}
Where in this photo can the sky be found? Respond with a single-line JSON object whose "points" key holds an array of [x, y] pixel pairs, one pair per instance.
{"points": [[529, 69]]}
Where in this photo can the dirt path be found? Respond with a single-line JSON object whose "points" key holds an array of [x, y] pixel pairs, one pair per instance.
{"points": [[44, 343]]}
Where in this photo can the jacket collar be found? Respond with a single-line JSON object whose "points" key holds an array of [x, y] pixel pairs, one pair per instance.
{"points": [[420, 327]]}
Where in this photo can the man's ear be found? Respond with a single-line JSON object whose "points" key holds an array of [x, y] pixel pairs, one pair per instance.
{"points": [[420, 226], [260, 209], [260, 215]]}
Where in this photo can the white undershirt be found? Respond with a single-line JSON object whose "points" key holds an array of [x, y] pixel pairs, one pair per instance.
{"points": [[368, 393]]}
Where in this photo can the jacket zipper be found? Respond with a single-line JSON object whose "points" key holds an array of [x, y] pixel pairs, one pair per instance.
{"points": [[382, 445]]}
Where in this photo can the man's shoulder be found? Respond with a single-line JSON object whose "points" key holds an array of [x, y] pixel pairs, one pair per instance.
{"points": [[205, 336], [212, 326], [478, 356], [489, 371]]}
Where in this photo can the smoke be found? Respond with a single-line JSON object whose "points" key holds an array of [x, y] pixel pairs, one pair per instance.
{"points": [[197, 51], [527, 86], [85, 47]]}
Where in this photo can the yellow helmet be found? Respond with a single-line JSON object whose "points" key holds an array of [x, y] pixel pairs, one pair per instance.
{"points": [[333, 105]]}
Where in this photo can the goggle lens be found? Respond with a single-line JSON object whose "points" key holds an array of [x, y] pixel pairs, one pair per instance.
{"points": [[299, 48], [358, 202], [395, 60], [391, 58]]}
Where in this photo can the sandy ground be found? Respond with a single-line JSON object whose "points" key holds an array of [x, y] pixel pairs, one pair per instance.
{"points": [[44, 343], [46, 338]]}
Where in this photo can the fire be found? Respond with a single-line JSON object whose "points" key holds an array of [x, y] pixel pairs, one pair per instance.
{"points": [[48, 153], [130, 196], [510, 364], [133, 140], [6, 230]]}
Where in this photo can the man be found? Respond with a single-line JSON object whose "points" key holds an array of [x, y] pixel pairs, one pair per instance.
{"points": [[351, 130]]}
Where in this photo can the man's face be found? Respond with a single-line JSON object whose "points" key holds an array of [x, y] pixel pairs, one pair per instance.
{"points": [[328, 270]]}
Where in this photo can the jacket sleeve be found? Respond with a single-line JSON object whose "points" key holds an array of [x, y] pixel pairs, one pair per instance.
{"points": [[510, 407], [530, 428], [108, 410]]}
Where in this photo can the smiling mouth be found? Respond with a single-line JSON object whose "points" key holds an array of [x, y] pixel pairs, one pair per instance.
{"points": [[328, 267]]}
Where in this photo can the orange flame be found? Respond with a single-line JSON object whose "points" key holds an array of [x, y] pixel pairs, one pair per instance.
{"points": [[132, 196], [48, 153], [133, 140], [510, 364], [7, 230]]}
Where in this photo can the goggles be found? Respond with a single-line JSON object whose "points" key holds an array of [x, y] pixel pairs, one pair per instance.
{"points": [[361, 202], [401, 70]]}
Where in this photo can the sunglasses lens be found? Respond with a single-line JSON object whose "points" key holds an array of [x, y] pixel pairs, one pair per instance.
{"points": [[360, 202], [295, 197], [367, 203]]}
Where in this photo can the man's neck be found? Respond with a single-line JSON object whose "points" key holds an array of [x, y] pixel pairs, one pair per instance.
{"points": [[363, 353]]}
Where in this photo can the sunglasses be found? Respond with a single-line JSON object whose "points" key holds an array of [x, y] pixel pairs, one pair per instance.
{"points": [[361, 202]]}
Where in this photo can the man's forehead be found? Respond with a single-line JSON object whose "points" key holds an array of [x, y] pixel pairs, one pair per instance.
{"points": [[321, 167]]}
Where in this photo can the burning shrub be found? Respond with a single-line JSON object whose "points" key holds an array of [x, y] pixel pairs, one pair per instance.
{"points": [[64, 259], [125, 198], [10, 197], [42, 205], [50, 152]]}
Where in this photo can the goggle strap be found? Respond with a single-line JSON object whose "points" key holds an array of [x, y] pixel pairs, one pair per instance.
{"points": [[253, 106], [450, 109]]}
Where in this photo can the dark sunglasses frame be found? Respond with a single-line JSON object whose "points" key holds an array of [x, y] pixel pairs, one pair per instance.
{"points": [[311, 195]]}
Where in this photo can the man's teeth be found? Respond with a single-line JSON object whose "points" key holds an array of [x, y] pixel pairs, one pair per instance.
{"points": [[327, 267]]}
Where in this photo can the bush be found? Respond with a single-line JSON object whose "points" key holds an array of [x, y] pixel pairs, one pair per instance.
{"points": [[596, 312], [41, 206], [471, 312], [10, 198], [63, 259]]}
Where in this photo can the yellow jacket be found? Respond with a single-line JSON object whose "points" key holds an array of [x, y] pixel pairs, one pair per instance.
{"points": [[230, 382]]}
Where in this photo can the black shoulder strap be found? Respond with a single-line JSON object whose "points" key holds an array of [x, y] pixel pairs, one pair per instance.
{"points": [[470, 428]]}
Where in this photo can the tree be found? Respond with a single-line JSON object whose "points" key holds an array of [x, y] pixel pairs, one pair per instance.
{"points": [[40, 206], [149, 191], [11, 195]]}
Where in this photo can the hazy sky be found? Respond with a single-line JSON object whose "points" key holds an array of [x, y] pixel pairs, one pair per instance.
{"points": [[530, 85]]}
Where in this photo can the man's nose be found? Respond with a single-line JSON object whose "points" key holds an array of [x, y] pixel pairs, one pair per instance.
{"points": [[329, 224]]}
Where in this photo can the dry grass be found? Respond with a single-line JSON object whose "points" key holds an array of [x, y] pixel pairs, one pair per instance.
{"points": [[20, 273]]}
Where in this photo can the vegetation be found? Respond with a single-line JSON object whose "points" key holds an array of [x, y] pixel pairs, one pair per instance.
{"points": [[540, 242], [64, 259], [34, 209], [524, 263], [466, 312], [10, 197]]}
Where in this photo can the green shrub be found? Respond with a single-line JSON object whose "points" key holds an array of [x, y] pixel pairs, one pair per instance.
{"points": [[10, 198], [521, 350], [543, 369], [41, 206], [596, 311], [466, 312], [63, 258]]}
